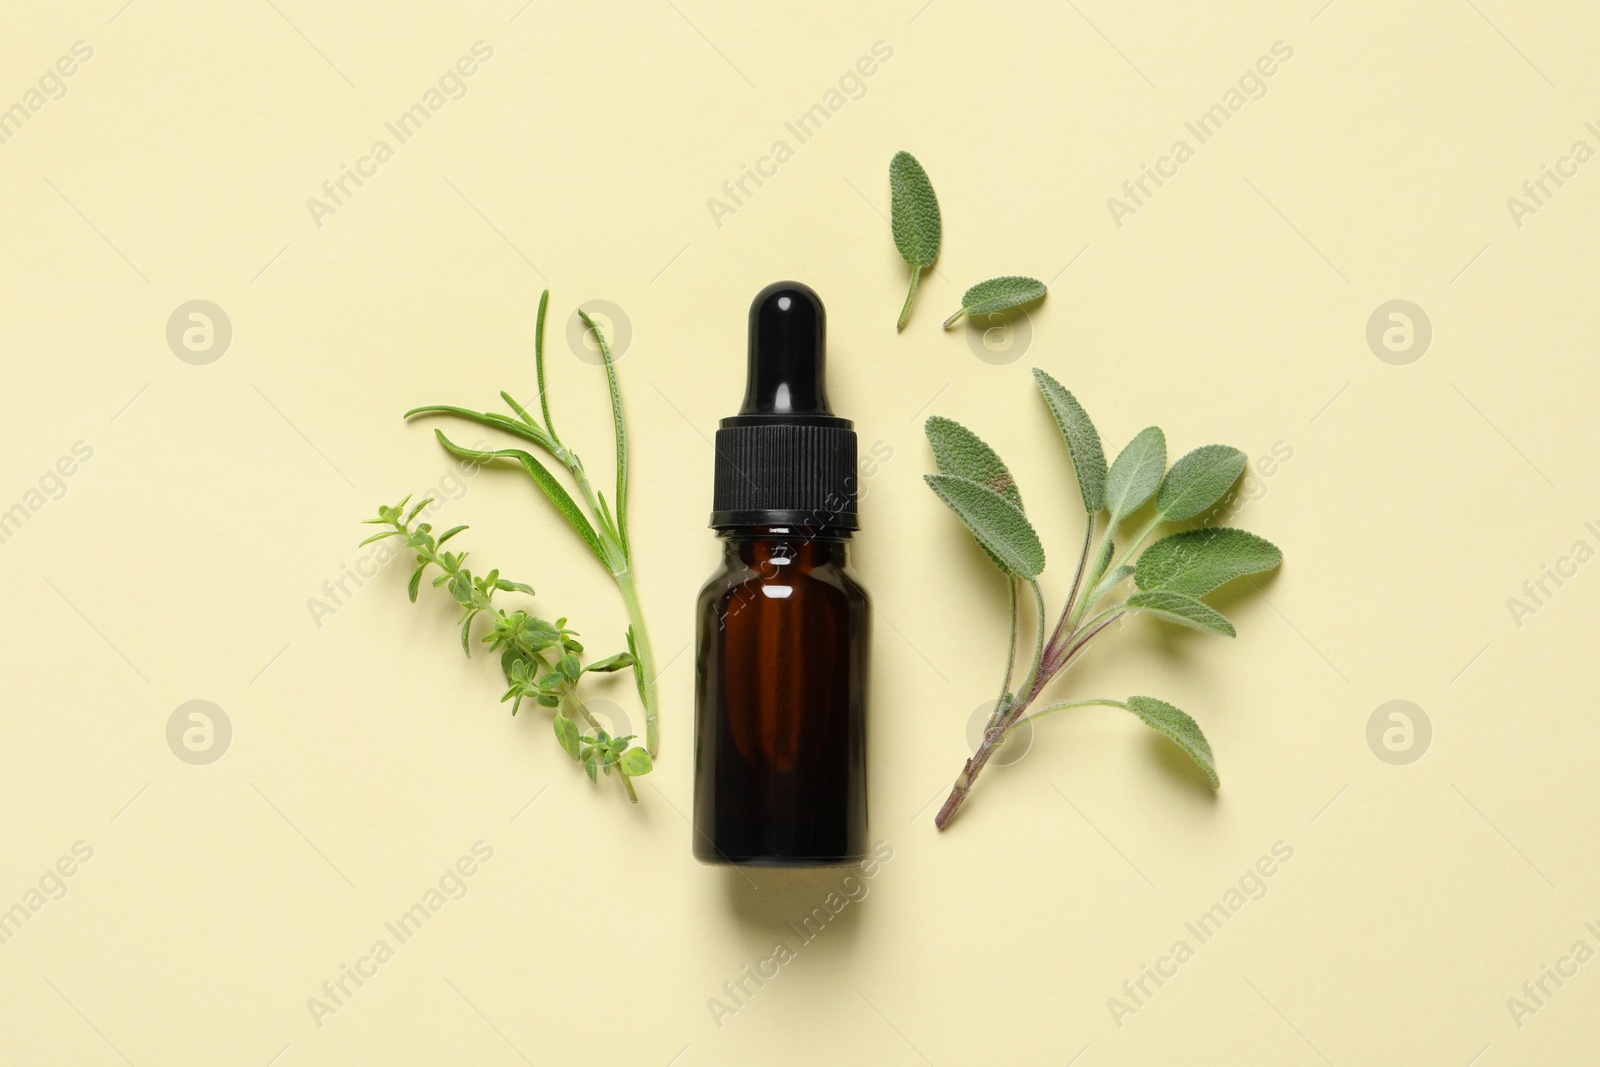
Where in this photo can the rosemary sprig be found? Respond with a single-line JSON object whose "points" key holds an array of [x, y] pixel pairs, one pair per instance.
{"points": [[602, 530]]}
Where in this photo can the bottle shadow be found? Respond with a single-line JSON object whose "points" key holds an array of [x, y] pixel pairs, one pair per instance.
{"points": [[798, 907]]}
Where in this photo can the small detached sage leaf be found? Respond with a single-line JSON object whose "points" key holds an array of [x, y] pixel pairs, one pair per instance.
{"points": [[996, 295], [1198, 481], [914, 218], [1136, 473], [1184, 731], [999, 525]]}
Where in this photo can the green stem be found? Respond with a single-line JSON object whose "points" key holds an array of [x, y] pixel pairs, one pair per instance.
{"points": [[570, 693], [644, 666], [1149, 529], [1095, 575], [1106, 614], [1094, 701], [1077, 587], [1033, 682], [1011, 646], [905, 310]]}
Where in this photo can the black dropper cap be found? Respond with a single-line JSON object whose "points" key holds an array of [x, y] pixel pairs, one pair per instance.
{"points": [[786, 459]]}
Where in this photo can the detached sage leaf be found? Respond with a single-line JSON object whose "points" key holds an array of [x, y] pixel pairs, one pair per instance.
{"points": [[914, 218], [999, 525], [636, 761], [1083, 441], [1195, 562], [1184, 731], [960, 452], [1184, 610], [996, 295], [1134, 476], [1198, 481]]}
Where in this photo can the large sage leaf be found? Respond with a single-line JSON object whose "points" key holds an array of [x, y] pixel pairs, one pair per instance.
{"points": [[1195, 562], [1083, 441], [1198, 481], [959, 451], [1134, 476], [1184, 610], [1184, 731], [999, 525]]}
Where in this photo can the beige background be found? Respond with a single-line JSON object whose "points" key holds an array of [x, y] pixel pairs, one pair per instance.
{"points": [[368, 755]]}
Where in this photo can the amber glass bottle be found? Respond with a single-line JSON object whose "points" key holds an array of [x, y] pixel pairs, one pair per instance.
{"points": [[780, 741]]}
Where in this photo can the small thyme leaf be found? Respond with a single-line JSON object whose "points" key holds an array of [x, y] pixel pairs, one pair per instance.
{"points": [[914, 220], [636, 761], [567, 734], [997, 295]]}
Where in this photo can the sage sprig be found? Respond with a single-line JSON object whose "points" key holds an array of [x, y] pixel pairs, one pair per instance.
{"points": [[540, 659], [914, 218], [604, 531], [1169, 578], [997, 295]]}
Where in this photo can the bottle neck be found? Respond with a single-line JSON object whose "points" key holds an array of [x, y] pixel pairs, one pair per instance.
{"points": [[806, 546]]}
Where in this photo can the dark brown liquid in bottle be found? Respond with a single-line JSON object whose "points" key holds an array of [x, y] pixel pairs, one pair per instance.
{"points": [[780, 754]]}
